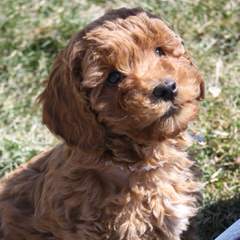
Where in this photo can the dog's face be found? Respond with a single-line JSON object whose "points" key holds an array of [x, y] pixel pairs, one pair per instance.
{"points": [[135, 77]]}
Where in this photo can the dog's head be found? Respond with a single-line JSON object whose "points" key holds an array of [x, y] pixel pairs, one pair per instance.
{"points": [[126, 73]]}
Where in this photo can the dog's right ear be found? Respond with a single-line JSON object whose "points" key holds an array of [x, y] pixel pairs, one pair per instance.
{"points": [[66, 110]]}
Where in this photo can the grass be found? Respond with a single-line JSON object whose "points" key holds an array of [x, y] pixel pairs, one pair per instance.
{"points": [[32, 32]]}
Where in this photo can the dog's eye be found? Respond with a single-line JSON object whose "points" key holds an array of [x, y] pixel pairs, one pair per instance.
{"points": [[159, 51], [114, 78]]}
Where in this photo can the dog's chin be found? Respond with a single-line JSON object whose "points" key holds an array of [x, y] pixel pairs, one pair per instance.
{"points": [[171, 112], [174, 120]]}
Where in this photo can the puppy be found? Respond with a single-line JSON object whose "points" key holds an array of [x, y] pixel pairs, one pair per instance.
{"points": [[120, 96]]}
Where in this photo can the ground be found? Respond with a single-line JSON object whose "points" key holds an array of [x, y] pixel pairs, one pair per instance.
{"points": [[32, 32]]}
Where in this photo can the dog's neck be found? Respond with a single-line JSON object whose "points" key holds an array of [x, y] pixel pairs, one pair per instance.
{"points": [[124, 150]]}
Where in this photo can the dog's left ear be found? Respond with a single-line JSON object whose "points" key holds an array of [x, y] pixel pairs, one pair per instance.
{"points": [[199, 77], [65, 106], [202, 88]]}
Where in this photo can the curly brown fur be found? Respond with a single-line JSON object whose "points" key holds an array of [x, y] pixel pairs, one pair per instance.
{"points": [[122, 171]]}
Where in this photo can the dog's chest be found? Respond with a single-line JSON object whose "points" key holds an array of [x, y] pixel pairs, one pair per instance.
{"points": [[151, 201]]}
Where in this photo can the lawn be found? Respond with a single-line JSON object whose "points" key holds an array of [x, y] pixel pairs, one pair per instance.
{"points": [[32, 32]]}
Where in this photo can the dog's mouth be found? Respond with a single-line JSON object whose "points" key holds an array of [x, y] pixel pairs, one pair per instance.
{"points": [[174, 109]]}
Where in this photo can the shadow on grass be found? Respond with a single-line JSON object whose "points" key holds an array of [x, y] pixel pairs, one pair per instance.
{"points": [[215, 218]]}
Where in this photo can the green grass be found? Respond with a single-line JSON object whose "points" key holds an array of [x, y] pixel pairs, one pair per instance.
{"points": [[32, 32]]}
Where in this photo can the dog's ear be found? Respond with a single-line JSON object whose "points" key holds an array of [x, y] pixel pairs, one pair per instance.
{"points": [[65, 106], [202, 89], [201, 85], [199, 77]]}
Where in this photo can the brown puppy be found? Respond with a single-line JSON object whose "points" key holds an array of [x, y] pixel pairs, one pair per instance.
{"points": [[120, 95]]}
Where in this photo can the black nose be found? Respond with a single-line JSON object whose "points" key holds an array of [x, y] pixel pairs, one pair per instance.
{"points": [[165, 91]]}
